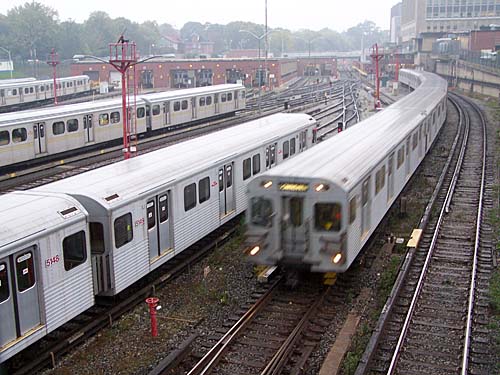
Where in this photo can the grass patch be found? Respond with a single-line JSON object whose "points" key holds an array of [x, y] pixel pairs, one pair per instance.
{"points": [[387, 279], [358, 345], [495, 305]]}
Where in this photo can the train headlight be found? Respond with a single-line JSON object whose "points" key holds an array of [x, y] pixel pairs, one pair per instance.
{"points": [[254, 250], [267, 184], [337, 258], [321, 187]]}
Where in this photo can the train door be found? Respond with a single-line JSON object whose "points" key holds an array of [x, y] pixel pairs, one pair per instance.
{"points": [[302, 140], [390, 178], [216, 103], [159, 225], [88, 128], [408, 154], [148, 118], [365, 207], [39, 138], [236, 100], [193, 106], [227, 203], [37, 92], [21, 95], [166, 112], [420, 143], [19, 305], [294, 228], [2, 97], [426, 133], [271, 159]]}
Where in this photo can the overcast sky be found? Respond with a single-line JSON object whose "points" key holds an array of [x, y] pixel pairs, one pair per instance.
{"points": [[338, 15]]}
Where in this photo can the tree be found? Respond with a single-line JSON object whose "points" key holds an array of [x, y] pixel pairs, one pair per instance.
{"points": [[32, 27]]}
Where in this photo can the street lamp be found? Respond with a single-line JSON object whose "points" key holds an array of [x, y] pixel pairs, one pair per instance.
{"points": [[259, 38], [10, 60]]}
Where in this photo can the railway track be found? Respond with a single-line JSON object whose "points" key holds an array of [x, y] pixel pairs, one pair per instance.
{"points": [[53, 171], [277, 332], [435, 322]]}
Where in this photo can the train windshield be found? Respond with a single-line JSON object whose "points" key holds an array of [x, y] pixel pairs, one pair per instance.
{"points": [[327, 217], [262, 211]]}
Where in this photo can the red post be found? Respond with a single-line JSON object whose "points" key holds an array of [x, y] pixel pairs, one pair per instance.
{"points": [[53, 62], [396, 78], [152, 303], [376, 57]]}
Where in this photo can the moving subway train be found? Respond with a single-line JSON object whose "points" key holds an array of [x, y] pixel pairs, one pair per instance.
{"points": [[98, 232], [35, 135], [318, 212]]}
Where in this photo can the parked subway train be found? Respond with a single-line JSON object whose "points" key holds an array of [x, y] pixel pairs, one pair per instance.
{"points": [[29, 136], [98, 232], [318, 212], [24, 92]]}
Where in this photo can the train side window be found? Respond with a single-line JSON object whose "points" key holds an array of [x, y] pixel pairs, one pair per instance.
{"points": [[204, 189], [401, 156], [242, 94], [31, 90], [156, 110], [123, 230], [256, 164], [209, 100], [103, 119], [163, 208], [262, 211], [115, 117], [229, 97], [14, 92], [202, 101], [19, 135], [97, 238], [380, 179], [434, 118], [26, 90], [189, 197], [4, 137], [74, 250], [247, 168], [352, 210], [150, 212], [141, 112], [4, 283], [223, 98], [286, 149], [42, 88], [25, 271], [292, 146], [327, 216], [184, 104], [229, 176], [177, 106], [72, 125], [58, 128], [415, 141]]}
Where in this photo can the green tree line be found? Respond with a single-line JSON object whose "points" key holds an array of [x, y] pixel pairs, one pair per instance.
{"points": [[30, 31]]}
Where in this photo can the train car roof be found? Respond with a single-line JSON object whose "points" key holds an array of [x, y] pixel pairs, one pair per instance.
{"points": [[179, 94], [45, 114], [347, 157], [15, 85], [130, 178], [26, 214]]}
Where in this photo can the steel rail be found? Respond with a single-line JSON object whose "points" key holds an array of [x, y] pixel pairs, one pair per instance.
{"points": [[470, 307], [418, 289]]}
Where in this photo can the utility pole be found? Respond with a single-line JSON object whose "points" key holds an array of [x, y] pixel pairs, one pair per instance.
{"points": [[54, 61], [122, 55], [376, 58]]}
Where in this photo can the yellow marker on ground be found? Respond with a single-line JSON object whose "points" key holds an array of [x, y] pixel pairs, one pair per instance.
{"points": [[415, 238], [329, 278]]}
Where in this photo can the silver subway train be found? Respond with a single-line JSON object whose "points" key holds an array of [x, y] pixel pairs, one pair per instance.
{"points": [[318, 212]]}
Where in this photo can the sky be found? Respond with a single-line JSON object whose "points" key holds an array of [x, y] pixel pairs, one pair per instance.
{"points": [[338, 15]]}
